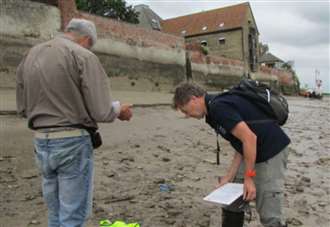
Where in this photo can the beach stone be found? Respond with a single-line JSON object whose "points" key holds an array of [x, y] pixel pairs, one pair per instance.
{"points": [[151, 205], [164, 148], [306, 179], [99, 210], [159, 181], [130, 159], [105, 163], [169, 221], [110, 174], [35, 222], [180, 177], [165, 159], [304, 212], [323, 161], [13, 186], [29, 197], [29, 174], [210, 161], [196, 179], [299, 188], [294, 221], [174, 212], [322, 204]]}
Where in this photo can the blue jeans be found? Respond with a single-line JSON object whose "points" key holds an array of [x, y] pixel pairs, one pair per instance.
{"points": [[66, 165]]}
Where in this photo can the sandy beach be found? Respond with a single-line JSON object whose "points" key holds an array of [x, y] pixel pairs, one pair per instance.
{"points": [[159, 146]]}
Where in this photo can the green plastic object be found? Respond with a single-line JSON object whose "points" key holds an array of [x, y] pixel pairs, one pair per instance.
{"points": [[107, 223], [123, 224]]}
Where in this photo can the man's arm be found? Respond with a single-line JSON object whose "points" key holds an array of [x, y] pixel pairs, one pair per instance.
{"points": [[249, 141], [233, 168], [96, 93], [20, 99]]}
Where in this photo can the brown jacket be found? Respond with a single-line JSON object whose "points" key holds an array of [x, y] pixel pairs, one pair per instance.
{"points": [[60, 83]]}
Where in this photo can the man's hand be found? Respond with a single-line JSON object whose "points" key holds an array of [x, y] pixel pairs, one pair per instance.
{"points": [[249, 189], [223, 180], [229, 177], [125, 112]]}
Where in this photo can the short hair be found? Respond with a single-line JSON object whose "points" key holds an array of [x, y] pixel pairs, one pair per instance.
{"points": [[82, 27], [184, 92]]}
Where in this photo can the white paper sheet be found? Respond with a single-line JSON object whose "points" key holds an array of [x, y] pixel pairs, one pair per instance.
{"points": [[226, 194]]}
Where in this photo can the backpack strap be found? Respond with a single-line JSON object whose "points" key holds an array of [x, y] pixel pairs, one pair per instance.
{"points": [[218, 150], [260, 121]]}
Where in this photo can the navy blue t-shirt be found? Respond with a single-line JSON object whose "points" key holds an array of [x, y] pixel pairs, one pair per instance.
{"points": [[226, 111]]}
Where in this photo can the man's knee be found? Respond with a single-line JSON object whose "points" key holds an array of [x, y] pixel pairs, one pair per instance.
{"points": [[269, 209], [232, 219], [273, 223]]}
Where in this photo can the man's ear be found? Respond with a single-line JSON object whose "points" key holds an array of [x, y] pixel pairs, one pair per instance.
{"points": [[90, 41]]}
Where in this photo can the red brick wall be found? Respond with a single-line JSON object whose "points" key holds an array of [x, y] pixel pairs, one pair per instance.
{"points": [[199, 58], [132, 34], [109, 28], [284, 77]]}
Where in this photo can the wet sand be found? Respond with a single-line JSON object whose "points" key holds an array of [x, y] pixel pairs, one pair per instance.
{"points": [[157, 147]]}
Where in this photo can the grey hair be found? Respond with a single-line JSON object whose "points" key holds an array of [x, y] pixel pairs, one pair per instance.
{"points": [[82, 27], [184, 92]]}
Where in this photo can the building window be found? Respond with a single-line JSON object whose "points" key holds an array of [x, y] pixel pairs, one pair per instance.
{"points": [[204, 28], [222, 40], [204, 43], [155, 24]]}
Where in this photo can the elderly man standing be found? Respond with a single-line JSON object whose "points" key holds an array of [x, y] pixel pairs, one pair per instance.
{"points": [[62, 91]]}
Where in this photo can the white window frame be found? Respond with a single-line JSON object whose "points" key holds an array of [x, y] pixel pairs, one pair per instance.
{"points": [[204, 42], [222, 39]]}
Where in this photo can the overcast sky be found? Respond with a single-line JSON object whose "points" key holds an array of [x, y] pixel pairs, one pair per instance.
{"points": [[293, 30]]}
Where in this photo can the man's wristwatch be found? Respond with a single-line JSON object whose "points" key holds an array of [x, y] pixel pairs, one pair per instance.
{"points": [[250, 173]]}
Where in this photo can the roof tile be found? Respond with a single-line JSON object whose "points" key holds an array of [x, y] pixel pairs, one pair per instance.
{"points": [[230, 17]]}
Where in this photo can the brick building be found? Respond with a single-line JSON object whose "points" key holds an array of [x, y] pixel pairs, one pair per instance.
{"points": [[229, 32], [271, 61], [147, 17]]}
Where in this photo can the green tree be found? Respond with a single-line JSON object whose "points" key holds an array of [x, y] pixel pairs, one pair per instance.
{"points": [[116, 9], [289, 67]]}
